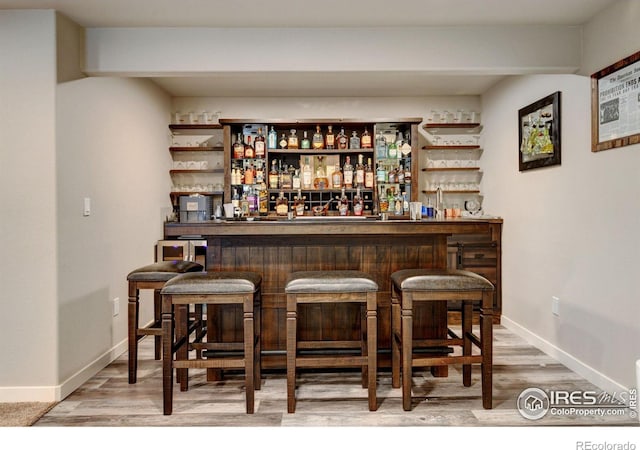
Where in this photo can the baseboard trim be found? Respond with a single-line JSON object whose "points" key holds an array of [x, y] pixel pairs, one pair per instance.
{"points": [[589, 373], [14, 394]]}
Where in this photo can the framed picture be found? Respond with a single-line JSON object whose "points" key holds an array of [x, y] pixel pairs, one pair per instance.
{"points": [[615, 105], [539, 133]]}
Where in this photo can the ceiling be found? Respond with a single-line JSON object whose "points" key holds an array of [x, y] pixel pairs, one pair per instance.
{"points": [[327, 13]]}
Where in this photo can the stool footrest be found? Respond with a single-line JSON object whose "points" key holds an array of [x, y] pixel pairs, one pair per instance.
{"points": [[231, 363], [330, 361], [328, 344], [446, 360]]}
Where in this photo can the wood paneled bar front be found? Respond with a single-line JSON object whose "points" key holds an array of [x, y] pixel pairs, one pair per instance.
{"points": [[276, 248]]}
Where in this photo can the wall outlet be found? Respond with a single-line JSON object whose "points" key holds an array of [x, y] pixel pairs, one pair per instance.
{"points": [[115, 304], [555, 306]]}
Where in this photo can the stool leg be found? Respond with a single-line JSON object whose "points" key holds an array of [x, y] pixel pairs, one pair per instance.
{"points": [[182, 343], [249, 373], [157, 312], [396, 342], [167, 354], [364, 347], [407, 350], [486, 333], [372, 351], [291, 352], [467, 324], [132, 322], [257, 327]]}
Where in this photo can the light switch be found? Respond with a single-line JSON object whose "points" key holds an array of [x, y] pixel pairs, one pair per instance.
{"points": [[87, 207]]}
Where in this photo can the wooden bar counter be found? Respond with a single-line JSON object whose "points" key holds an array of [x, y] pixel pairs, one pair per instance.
{"points": [[275, 248]]}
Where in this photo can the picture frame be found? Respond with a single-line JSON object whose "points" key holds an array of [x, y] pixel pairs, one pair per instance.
{"points": [[539, 133], [615, 104]]}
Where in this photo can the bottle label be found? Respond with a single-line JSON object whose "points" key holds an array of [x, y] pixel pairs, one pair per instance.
{"points": [[348, 178], [357, 209], [368, 180], [365, 141], [259, 146]]}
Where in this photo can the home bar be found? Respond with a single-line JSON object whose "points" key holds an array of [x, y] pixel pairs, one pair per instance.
{"points": [[378, 239]]}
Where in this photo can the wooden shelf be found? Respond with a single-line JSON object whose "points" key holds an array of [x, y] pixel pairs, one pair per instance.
{"points": [[453, 128], [452, 192], [318, 151], [450, 169], [194, 129], [196, 149], [175, 171], [176, 193], [451, 147]]}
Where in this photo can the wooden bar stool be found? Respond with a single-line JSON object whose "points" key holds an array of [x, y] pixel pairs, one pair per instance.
{"points": [[210, 288], [334, 286], [410, 286], [152, 276]]}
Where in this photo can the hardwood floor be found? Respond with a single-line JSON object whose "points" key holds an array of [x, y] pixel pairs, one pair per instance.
{"points": [[324, 399]]}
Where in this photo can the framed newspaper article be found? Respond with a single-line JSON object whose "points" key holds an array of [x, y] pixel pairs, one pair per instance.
{"points": [[615, 105]]}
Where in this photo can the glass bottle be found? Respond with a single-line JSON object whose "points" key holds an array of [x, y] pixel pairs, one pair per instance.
{"points": [[407, 171], [330, 138], [368, 175], [238, 147], [392, 150], [249, 150], [295, 183], [365, 139], [259, 144], [298, 204], [253, 201], [282, 205], [359, 177], [286, 179], [263, 200], [272, 139], [249, 174], [381, 146], [392, 175], [405, 202], [307, 174], [320, 181], [235, 198], [259, 178], [398, 207], [342, 142], [336, 177], [384, 201], [292, 141], [305, 143], [274, 177], [244, 205], [347, 173], [343, 206], [400, 174], [317, 139], [358, 204], [283, 141], [354, 141], [381, 173]]}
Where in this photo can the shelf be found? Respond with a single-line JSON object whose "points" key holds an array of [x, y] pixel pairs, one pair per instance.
{"points": [[176, 193], [176, 171], [194, 129], [452, 192], [275, 191], [318, 151], [196, 149], [451, 147], [453, 128], [451, 169]]}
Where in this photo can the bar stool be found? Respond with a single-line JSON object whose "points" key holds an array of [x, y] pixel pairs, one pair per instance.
{"points": [[210, 288], [152, 276], [411, 286], [334, 286]]}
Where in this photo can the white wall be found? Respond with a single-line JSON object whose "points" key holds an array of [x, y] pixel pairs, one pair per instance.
{"points": [[28, 272], [112, 147], [570, 231]]}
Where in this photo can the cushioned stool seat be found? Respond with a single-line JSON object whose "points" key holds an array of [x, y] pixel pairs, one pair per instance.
{"points": [[152, 276], [411, 286], [210, 288], [333, 286]]}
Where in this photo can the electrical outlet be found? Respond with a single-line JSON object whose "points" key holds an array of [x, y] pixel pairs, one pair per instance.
{"points": [[555, 306], [116, 306]]}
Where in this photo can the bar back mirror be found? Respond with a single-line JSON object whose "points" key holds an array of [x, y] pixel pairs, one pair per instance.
{"points": [[539, 133]]}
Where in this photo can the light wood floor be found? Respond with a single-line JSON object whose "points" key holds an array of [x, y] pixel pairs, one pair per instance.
{"points": [[324, 399]]}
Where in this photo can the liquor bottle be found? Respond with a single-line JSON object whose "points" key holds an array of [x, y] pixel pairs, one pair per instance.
{"points": [[400, 174], [283, 141], [259, 172], [305, 143], [347, 173], [307, 174], [249, 174], [282, 205], [365, 139], [343, 206], [320, 181], [292, 141], [392, 150], [244, 205], [296, 183], [354, 141], [249, 151], [263, 200], [392, 175], [381, 146], [368, 175], [286, 179], [274, 177], [359, 178], [358, 204], [398, 208], [384, 201], [336, 178], [253, 201], [238, 147], [407, 172], [317, 139], [405, 202], [381, 173], [298, 204], [330, 138], [391, 198], [272, 139], [235, 198], [259, 144], [342, 142]]}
